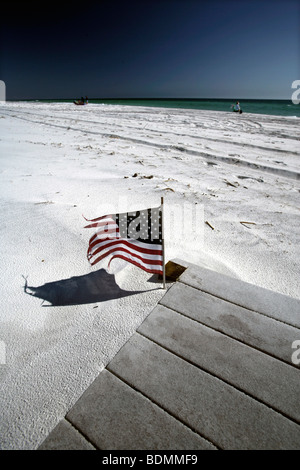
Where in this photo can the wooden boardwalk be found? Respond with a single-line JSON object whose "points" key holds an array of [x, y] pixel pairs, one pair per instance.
{"points": [[210, 368]]}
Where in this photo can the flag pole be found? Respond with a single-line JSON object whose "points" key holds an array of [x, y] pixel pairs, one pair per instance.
{"points": [[163, 241]]}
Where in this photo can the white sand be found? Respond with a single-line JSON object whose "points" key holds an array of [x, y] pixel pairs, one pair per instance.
{"points": [[58, 162]]}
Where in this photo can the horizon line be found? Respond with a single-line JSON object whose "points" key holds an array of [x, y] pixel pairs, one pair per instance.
{"points": [[152, 98]]}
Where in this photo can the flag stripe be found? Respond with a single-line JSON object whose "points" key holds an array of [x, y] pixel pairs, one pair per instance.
{"points": [[102, 224], [103, 235], [155, 262], [149, 258], [149, 269], [99, 218], [102, 245]]}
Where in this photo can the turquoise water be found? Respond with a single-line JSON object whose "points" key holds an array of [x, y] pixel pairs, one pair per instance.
{"points": [[270, 107]]}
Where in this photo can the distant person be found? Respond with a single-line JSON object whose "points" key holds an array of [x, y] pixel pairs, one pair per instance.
{"points": [[86, 100], [81, 101], [236, 108]]}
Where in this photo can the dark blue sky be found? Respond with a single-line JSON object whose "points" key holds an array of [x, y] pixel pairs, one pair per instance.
{"points": [[151, 48]]}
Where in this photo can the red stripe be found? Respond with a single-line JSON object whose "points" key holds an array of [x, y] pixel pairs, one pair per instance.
{"points": [[123, 241], [153, 271], [147, 261]]}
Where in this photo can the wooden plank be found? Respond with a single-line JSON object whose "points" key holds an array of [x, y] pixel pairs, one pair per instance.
{"points": [[259, 375], [114, 416], [256, 330], [65, 437], [219, 412], [272, 304]]}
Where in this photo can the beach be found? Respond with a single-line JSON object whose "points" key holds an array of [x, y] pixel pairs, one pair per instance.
{"points": [[231, 188]]}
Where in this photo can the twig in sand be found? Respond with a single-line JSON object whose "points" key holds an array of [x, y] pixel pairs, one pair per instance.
{"points": [[234, 185], [25, 286], [245, 222], [207, 223], [43, 202]]}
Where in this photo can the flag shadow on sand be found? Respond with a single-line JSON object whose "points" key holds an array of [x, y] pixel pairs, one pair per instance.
{"points": [[94, 287]]}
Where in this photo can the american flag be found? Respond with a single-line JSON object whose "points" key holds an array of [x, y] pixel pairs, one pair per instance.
{"points": [[133, 236]]}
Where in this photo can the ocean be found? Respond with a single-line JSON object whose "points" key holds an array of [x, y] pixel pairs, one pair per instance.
{"points": [[269, 107]]}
